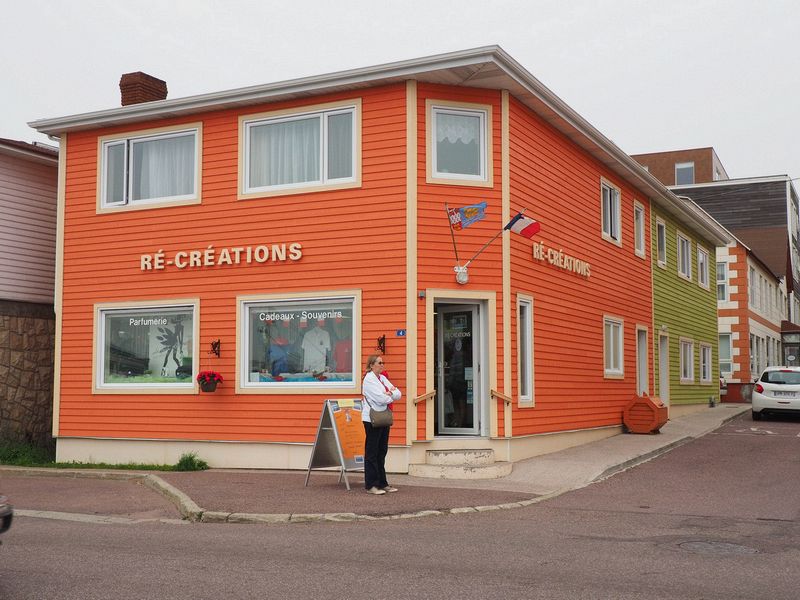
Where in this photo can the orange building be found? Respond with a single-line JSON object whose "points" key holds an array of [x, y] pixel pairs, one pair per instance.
{"points": [[279, 234]]}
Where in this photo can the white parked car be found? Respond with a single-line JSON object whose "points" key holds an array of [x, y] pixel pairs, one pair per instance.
{"points": [[777, 391]]}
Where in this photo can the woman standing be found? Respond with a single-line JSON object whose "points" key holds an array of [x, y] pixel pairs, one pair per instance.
{"points": [[379, 393]]}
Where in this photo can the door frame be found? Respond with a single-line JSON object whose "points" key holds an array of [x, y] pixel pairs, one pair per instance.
{"points": [[487, 302], [478, 394]]}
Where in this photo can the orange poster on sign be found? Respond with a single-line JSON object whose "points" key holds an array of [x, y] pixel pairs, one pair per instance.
{"points": [[347, 418]]}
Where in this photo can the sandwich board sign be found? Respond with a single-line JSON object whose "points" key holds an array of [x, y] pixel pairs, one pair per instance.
{"points": [[340, 438]]}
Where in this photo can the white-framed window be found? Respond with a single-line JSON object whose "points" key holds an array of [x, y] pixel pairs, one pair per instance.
{"points": [[661, 242], [144, 347], [611, 213], [297, 344], [298, 150], [613, 364], [725, 354], [702, 267], [459, 143], [684, 173], [525, 349], [149, 168], [752, 282], [684, 257], [722, 281], [639, 229], [705, 363], [687, 360]]}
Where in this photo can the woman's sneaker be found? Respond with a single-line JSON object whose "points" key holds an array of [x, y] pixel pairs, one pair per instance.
{"points": [[389, 488], [376, 491]]}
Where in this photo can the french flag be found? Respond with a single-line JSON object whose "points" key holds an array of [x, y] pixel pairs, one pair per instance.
{"points": [[524, 226]]}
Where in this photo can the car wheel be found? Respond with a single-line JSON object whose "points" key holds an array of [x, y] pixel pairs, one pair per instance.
{"points": [[756, 415]]}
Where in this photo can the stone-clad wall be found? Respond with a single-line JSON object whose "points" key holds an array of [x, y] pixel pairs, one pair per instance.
{"points": [[27, 338]]}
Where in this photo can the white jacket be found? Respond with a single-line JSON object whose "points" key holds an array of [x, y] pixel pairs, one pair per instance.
{"points": [[373, 390]]}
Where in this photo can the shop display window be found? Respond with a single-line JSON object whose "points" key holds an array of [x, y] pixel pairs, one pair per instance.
{"points": [[148, 346], [305, 343]]}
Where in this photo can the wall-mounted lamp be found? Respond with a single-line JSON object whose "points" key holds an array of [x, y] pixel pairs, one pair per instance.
{"points": [[381, 344], [214, 348]]}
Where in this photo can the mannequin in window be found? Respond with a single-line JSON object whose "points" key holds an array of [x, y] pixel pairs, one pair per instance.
{"points": [[277, 352], [316, 345]]}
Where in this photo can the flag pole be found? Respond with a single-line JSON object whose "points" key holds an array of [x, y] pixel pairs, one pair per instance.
{"points": [[486, 245], [452, 234]]}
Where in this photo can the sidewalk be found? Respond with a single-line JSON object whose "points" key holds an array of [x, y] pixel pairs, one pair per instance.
{"points": [[221, 495]]}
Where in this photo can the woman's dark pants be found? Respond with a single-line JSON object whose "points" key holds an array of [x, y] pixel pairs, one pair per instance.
{"points": [[375, 448]]}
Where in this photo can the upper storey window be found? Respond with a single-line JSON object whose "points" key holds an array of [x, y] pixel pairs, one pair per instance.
{"points": [[292, 152], [151, 168], [684, 173], [611, 213], [459, 146]]}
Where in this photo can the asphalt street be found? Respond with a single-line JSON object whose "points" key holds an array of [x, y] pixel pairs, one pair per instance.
{"points": [[714, 518]]}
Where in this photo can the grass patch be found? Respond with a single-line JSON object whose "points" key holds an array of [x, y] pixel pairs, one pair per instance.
{"points": [[190, 462], [26, 455]]}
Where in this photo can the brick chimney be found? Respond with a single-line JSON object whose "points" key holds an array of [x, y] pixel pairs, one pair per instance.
{"points": [[140, 87]]}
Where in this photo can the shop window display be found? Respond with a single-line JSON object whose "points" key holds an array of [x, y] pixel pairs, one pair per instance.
{"points": [[308, 342], [147, 346]]}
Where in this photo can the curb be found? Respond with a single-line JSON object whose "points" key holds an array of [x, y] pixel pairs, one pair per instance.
{"points": [[190, 510]]}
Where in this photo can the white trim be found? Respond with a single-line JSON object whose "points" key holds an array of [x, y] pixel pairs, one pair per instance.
{"points": [[703, 348], [615, 197], [244, 386], [99, 386], [639, 237], [681, 363], [679, 253], [701, 271], [527, 370], [128, 139], [482, 115], [302, 113], [614, 372], [663, 224]]}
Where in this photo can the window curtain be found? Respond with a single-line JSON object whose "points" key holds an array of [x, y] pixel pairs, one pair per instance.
{"points": [[163, 167], [458, 140], [285, 153], [340, 145]]}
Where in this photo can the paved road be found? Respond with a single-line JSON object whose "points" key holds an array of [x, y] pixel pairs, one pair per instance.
{"points": [[715, 518]]}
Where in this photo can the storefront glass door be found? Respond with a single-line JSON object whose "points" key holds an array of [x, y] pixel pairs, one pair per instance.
{"points": [[457, 370]]}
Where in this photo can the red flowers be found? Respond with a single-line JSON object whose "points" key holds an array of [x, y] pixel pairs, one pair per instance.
{"points": [[208, 377]]}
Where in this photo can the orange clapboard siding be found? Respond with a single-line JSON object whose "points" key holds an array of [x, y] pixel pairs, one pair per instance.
{"points": [[436, 257], [559, 184], [102, 251]]}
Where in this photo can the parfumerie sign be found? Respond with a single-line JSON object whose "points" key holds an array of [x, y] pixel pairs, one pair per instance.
{"points": [[559, 259], [217, 257]]}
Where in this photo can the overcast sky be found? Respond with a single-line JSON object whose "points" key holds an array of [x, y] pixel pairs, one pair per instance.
{"points": [[650, 75]]}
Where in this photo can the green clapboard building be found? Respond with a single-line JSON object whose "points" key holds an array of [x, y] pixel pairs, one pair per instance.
{"points": [[686, 358]]}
